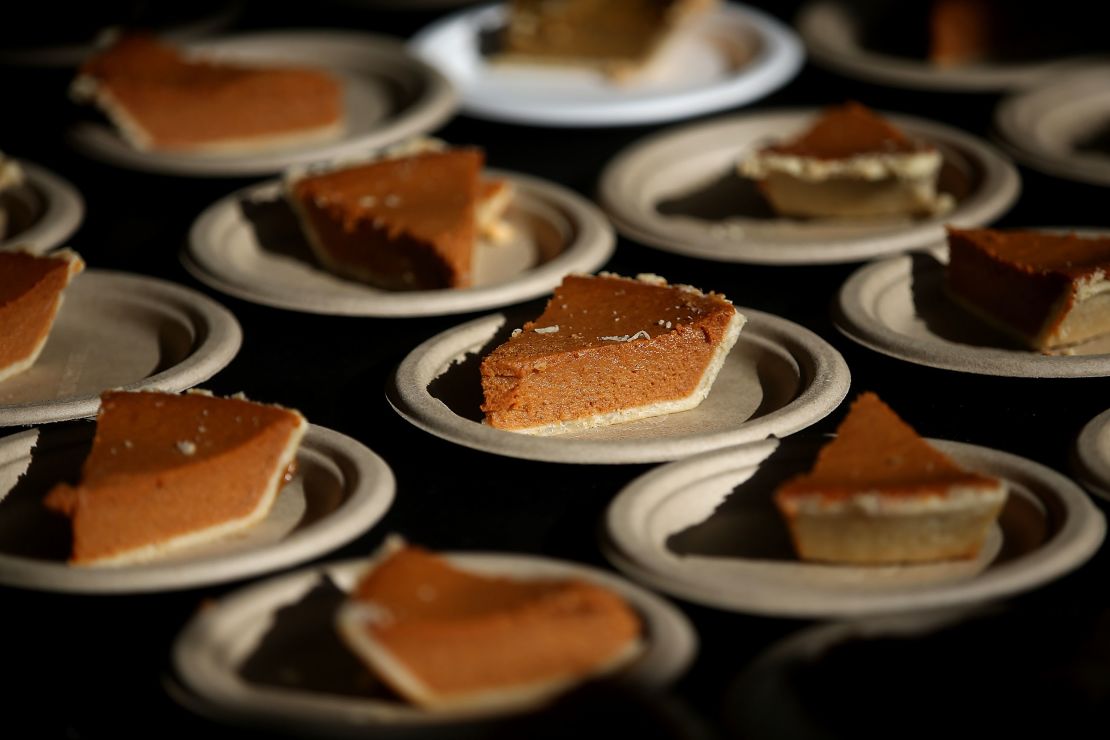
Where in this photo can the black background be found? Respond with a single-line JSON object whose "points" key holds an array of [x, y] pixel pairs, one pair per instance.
{"points": [[92, 666]]}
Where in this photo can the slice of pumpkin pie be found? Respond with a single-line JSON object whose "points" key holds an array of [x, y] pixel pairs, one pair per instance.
{"points": [[849, 163], [169, 471], [163, 99], [609, 349], [31, 291], [447, 638], [880, 494], [406, 218]]}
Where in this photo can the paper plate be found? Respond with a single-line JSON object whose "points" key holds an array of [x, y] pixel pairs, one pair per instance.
{"points": [[733, 56], [340, 490], [898, 307], [389, 96], [779, 378], [834, 33], [1092, 455], [1062, 126], [679, 191], [268, 654], [116, 330], [250, 245], [42, 213], [706, 530]]}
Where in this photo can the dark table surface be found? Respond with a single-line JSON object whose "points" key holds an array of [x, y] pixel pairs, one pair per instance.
{"points": [[93, 666]]}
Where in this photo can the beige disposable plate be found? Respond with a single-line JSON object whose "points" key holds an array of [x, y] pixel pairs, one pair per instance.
{"points": [[339, 491], [679, 191], [833, 32], [236, 656], [116, 330], [250, 245], [389, 96], [42, 213], [1062, 126], [706, 529], [779, 378], [733, 55], [898, 307], [1092, 455]]}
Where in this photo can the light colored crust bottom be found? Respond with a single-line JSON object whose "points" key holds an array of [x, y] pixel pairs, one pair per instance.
{"points": [[857, 537], [134, 133], [848, 197], [720, 354], [174, 544], [1091, 322]]}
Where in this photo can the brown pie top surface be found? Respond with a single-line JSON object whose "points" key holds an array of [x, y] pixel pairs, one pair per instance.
{"points": [[180, 102], [1037, 252], [875, 451], [846, 131]]}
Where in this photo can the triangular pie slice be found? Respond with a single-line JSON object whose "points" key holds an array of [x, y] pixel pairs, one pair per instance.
{"points": [[879, 493], [1048, 290], [162, 99], [609, 349], [446, 638], [171, 471], [849, 163], [405, 219], [30, 295]]}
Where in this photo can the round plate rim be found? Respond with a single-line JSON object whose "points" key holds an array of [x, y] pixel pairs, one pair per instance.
{"points": [[1093, 464], [64, 210], [998, 191], [676, 646], [904, 72], [436, 104], [1071, 545], [372, 490], [769, 70], [592, 248], [852, 318], [222, 338], [409, 397]]}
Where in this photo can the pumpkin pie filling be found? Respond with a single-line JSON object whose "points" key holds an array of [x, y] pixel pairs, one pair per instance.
{"points": [[618, 37], [407, 220], [170, 471], [447, 638], [879, 493], [31, 291], [608, 349], [1048, 290], [161, 99]]}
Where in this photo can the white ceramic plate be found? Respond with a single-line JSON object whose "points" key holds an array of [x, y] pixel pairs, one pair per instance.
{"points": [[340, 490], [250, 245], [1062, 126], [678, 191], [1092, 454], [42, 213], [235, 656], [779, 378], [732, 56], [116, 330], [834, 30], [389, 95], [898, 307], [665, 529]]}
